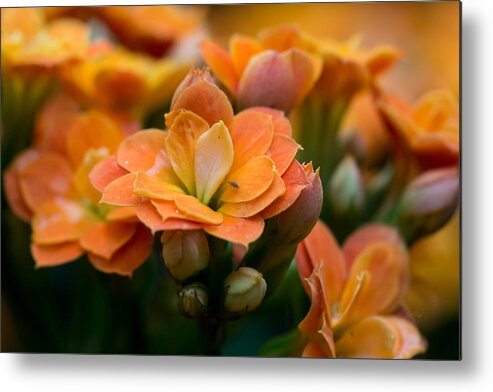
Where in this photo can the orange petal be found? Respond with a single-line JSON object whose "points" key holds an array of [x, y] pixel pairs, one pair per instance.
{"points": [[249, 181], [120, 192], [253, 207], [375, 284], [282, 151], [194, 209], [221, 64], [168, 209], [242, 49], [280, 122], [148, 215], [154, 187], [129, 257], [140, 151], [320, 247], [182, 137], [53, 255], [280, 38], [58, 221], [217, 108], [93, 129], [213, 160], [104, 239], [267, 81], [381, 59], [105, 171], [238, 230], [127, 214], [295, 181], [82, 181], [252, 136], [381, 337], [45, 178]]}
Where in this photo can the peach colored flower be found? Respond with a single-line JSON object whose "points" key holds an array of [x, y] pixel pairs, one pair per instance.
{"points": [[264, 72], [210, 170], [355, 294], [48, 186], [430, 129], [117, 80], [28, 41]]}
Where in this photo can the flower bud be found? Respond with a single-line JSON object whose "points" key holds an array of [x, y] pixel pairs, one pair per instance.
{"points": [[185, 253], [194, 76], [345, 190], [193, 300], [428, 203], [244, 291]]}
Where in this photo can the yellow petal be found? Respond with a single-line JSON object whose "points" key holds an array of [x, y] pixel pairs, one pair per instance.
{"points": [[154, 187], [194, 209], [213, 160]]}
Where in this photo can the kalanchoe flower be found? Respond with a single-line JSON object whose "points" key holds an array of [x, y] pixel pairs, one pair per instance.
{"points": [[355, 294], [244, 291], [151, 29], [258, 72], [193, 300], [49, 187], [185, 253], [115, 79], [430, 129], [210, 170]]}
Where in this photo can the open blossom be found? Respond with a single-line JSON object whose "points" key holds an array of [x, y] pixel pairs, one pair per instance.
{"points": [[430, 128], [355, 295], [48, 186], [210, 170], [29, 41], [267, 71], [115, 79]]}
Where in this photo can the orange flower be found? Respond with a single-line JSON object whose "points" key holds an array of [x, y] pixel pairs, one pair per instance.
{"points": [[49, 186], [210, 170], [117, 80], [355, 294], [151, 29], [28, 41], [264, 71], [430, 129]]}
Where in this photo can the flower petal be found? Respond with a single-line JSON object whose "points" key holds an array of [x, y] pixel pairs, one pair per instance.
{"points": [[104, 239], [93, 129], [148, 215], [182, 137], [221, 64], [218, 107], [249, 181], [251, 135], [252, 207], [381, 337], [238, 230], [105, 171], [120, 192], [53, 255], [282, 151], [194, 209], [127, 214], [242, 49], [154, 187], [57, 221], [279, 120], [213, 160], [140, 151], [129, 257]]}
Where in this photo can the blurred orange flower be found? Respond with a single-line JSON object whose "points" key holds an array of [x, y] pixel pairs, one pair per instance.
{"points": [[210, 170], [268, 71], [114, 79], [355, 295], [49, 186], [430, 129], [28, 41]]}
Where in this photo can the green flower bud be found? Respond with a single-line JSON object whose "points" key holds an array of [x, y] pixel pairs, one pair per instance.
{"points": [[185, 253], [244, 291], [193, 300], [427, 203]]}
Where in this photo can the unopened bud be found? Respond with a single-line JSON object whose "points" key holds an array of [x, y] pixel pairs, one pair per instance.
{"points": [[193, 300], [345, 190], [244, 291], [194, 76], [428, 203], [185, 253]]}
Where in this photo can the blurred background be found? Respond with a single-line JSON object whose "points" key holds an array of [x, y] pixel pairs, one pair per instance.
{"points": [[74, 308]]}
